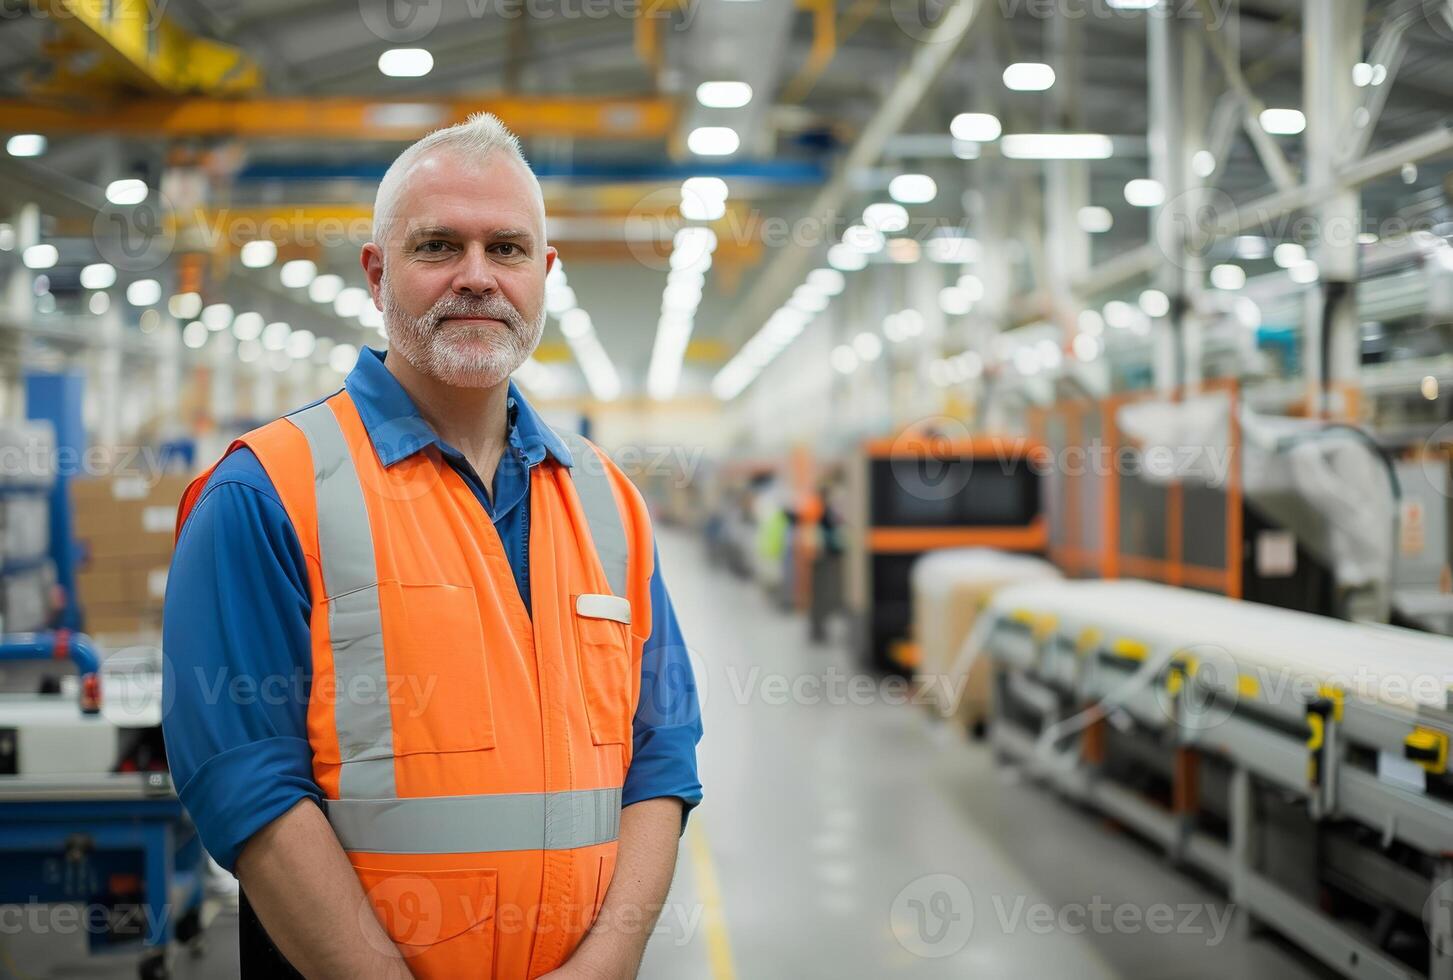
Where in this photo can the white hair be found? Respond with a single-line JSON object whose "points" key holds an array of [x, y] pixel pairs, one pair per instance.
{"points": [[478, 136]]}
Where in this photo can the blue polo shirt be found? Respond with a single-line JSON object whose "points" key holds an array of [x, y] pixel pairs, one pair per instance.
{"points": [[238, 646]]}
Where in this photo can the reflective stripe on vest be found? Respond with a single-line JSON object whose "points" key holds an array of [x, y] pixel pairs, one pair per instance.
{"points": [[607, 529], [369, 815], [476, 824]]}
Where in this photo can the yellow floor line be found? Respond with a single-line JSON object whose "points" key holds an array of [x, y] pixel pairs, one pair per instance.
{"points": [[718, 946]]}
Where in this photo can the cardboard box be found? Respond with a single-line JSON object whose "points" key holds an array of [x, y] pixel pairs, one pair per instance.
{"points": [[109, 586], [102, 618]]}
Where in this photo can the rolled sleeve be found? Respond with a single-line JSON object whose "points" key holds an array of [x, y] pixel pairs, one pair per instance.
{"points": [[238, 649], [667, 723]]}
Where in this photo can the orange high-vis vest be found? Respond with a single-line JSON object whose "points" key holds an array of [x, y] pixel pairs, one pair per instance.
{"points": [[471, 755]]}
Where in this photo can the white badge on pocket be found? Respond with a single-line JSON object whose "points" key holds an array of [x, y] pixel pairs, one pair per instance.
{"points": [[611, 607]]}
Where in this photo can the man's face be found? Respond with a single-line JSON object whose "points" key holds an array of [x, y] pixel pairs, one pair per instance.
{"points": [[461, 273]]}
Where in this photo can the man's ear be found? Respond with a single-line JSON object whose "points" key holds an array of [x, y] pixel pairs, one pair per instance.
{"points": [[371, 258]]}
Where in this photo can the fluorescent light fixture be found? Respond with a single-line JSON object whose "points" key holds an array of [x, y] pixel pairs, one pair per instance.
{"points": [[216, 317], [845, 258], [952, 249], [965, 150], [1252, 247], [723, 95], [1026, 360], [275, 336], [575, 323], [885, 217], [185, 306], [259, 254], [1283, 122], [1228, 277], [868, 347], [829, 282], [1154, 303], [975, 127], [1028, 76], [1203, 163], [42, 256], [25, 145], [249, 351], [371, 317], [325, 289], [1145, 193], [1095, 220], [695, 208], [1304, 272], [350, 301], [406, 62], [1429, 388], [558, 301], [688, 240], [195, 334], [1120, 314], [713, 141], [99, 275], [99, 303], [143, 292], [1133, 4], [843, 359], [1087, 347], [904, 251], [972, 286], [1289, 255], [298, 273], [1049, 353], [912, 188], [342, 358], [808, 301], [247, 325], [1091, 322], [706, 188], [1057, 146], [126, 192], [866, 240], [954, 301], [301, 344]]}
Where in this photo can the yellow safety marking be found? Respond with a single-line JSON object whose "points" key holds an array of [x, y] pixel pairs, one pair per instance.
{"points": [[1247, 686], [1044, 626], [718, 946], [1318, 731], [1022, 616], [1429, 741], [1336, 696], [1088, 640], [1129, 649]]}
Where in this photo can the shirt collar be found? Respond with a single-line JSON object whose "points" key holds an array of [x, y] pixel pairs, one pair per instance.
{"points": [[397, 430]]}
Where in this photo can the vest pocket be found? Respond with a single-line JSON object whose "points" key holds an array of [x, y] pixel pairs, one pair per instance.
{"points": [[437, 666], [604, 652], [442, 922]]}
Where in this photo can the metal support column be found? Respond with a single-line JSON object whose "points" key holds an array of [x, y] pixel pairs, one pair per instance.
{"points": [[1067, 181], [1438, 918], [1331, 45]]}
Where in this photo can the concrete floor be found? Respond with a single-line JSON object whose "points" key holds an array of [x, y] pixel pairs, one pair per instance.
{"points": [[861, 840]]}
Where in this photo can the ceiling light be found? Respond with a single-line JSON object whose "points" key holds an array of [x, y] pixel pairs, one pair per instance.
{"points": [[575, 323], [867, 346], [694, 208], [723, 95], [713, 141], [300, 344], [1289, 254], [1429, 388], [249, 351], [1026, 360], [259, 254], [275, 336], [1252, 247], [843, 359], [707, 188], [1155, 303], [904, 251], [1087, 347], [126, 192], [216, 317], [1228, 277], [1144, 193], [406, 62], [954, 301], [143, 292], [298, 273], [952, 249], [1119, 314], [42, 256], [557, 301], [691, 240], [829, 282], [846, 258], [98, 275], [342, 358], [1058, 146], [325, 289], [1283, 122], [99, 303], [351, 301], [195, 334], [1304, 272], [972, 286], [975, 127], [1203, 164], [864, 239], [1091, 322], [1028, 76], [1049, 353], [185, 306], [885, 217], [371, 317], [912, 188], [808, 300], [1095, 220], [247, 326], [25, 145]]}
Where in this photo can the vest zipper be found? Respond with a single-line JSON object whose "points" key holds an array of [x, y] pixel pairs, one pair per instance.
{"points": [[525, 542]]}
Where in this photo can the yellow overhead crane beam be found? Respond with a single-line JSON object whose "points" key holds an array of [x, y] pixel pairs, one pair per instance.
{"points": [[142, 48], [347, 118]]}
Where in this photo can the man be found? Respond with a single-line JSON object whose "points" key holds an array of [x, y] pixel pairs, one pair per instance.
{"points": [[426, 693]]}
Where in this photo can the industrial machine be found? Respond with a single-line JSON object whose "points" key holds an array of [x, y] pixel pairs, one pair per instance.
{"points": [[93, 840], [923, 492], [1300, 761]]}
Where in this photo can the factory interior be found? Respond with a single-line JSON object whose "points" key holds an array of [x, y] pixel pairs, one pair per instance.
{"points": [[1043, 409]]}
